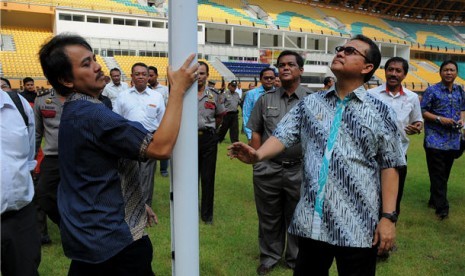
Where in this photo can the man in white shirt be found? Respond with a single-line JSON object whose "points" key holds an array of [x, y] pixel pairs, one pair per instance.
{"points": [[20, 241], [113, 89], [163, 90], [239, 90], [406, 105], [143, 105]]}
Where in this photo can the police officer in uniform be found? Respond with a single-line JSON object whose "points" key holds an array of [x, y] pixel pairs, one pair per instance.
{"points": [[48, 108], [277, 181], [231, 100], [211, 111]]}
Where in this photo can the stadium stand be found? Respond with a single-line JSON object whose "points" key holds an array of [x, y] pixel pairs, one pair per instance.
{"points": [[295, 17], [429, 34], [116, 6], [19, 45], [364, 24], [246, 69], [23, 61], [229, 12]]}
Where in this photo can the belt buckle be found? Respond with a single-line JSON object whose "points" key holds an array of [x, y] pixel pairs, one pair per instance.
{"points": [[288, 164]]}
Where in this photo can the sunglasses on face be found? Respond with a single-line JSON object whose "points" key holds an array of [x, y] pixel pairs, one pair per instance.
{"points": [[349, 50], [268, 78]]}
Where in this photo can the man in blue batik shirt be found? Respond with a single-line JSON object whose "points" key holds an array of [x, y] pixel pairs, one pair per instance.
{"points": [[351, 148], [100, 197], [267, 77], [443, 107]]}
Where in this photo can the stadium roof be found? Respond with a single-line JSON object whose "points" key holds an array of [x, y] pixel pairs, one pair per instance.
{"points": [[450, 11]]}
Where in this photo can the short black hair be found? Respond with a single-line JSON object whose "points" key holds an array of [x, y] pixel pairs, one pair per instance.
{"points": [[449, 62], [373, 55], [27, 79], [397, 59], [327, 80], [55, 62], [267, 69], [206, 66], [115, 69], [139, 64], [6, 80], [154, 69], [298, 58]]}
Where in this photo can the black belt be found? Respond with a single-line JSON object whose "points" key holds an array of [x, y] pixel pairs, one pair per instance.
{"points": [[287, 163], [233, 112], [206, 131], [8, 214]]}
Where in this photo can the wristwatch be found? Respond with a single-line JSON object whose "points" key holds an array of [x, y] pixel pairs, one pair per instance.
{"points": [[390, 216], [438, 119]]}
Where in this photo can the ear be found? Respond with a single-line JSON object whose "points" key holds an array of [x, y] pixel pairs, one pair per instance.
{"points": [[67, 83], [367, 68]]}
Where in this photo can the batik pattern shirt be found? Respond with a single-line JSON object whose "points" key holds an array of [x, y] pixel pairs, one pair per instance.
{"points": [[367, 141], [100, 199], [439, 101]]}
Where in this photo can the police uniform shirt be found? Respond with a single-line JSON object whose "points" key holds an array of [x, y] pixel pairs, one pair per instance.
{"points": [[47, 112], [269, 109], [210, 106], [231, 101]]}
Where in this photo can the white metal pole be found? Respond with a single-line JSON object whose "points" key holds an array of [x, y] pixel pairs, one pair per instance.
{"points": [[182, 30]]}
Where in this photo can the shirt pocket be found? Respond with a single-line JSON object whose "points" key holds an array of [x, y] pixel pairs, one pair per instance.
{"points": [[151, 111], [272, 112], [272, 117]]}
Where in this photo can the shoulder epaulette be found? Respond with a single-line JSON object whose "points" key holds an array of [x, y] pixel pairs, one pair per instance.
{"points": [[213, 90], [43, 93]]}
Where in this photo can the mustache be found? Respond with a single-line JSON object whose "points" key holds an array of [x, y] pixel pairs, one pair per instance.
{"points": [[393, 78], [99, 75]]}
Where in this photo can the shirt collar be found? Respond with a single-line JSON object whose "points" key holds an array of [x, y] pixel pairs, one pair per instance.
{"points": [[79, 96], [359, 93], [134, 90], [444, 87], [298, 93], [385, 89]]}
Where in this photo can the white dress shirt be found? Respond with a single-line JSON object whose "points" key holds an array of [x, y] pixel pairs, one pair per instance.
{"points": [[406, 104], [147, 107], [17, 150], [112, 91], [163, 90], [239, 91]]}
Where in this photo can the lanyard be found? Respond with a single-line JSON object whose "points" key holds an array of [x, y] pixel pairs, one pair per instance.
{"points": [[324, 169]]}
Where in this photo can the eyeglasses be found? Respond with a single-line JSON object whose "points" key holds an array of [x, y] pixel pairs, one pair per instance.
{"points": [[349, 50], [269, 78]]}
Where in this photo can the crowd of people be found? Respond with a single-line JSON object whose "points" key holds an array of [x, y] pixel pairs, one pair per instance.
{"points": [[329, 167]]}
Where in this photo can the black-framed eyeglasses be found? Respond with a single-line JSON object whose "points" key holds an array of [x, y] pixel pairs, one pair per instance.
{"points": [[269, 78], [349, 50]]}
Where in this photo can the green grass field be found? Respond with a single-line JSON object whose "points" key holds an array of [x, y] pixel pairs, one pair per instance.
{"points": [[426, 246]]}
